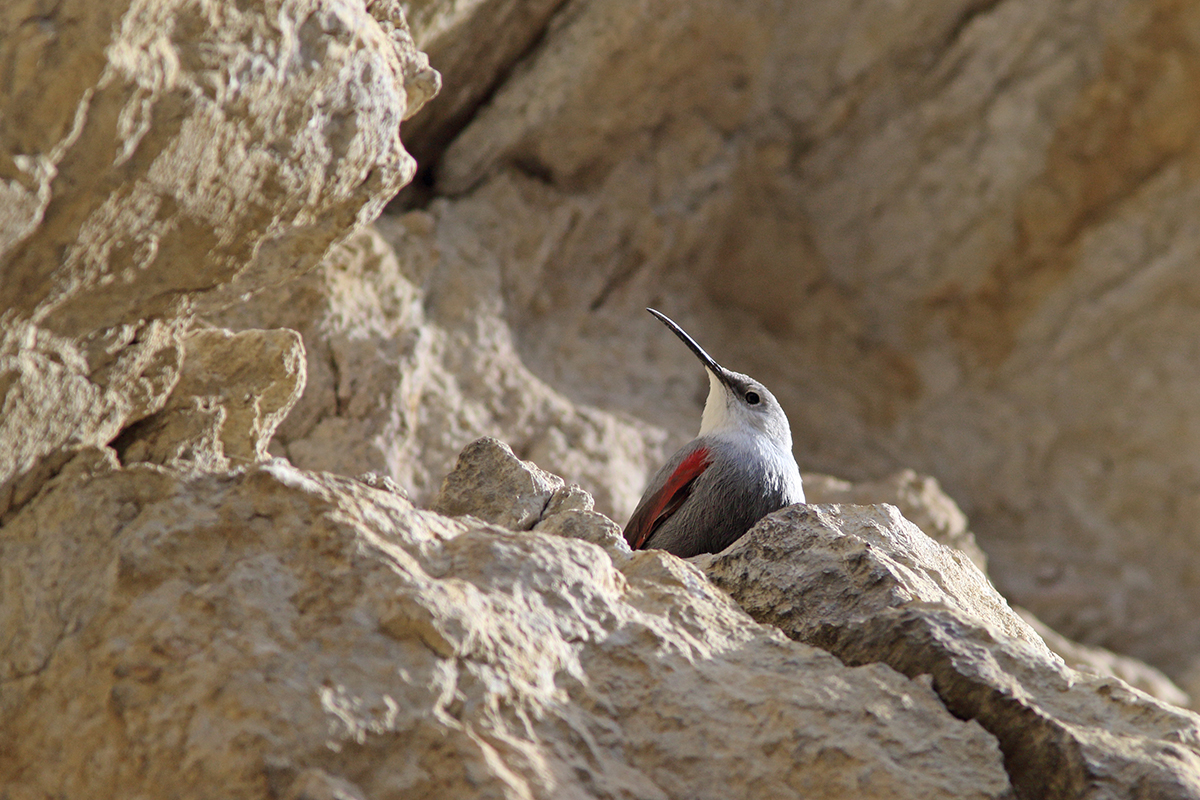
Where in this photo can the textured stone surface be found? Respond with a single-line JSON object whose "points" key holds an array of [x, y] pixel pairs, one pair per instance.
{"points": [[952, 236], [59, 394], [410, 358], [160, 155], [289, 634], [956, 236], [234, 390], [474, 45], [1098, 661], [807, 567], [491, 483], [919, 499], [868, 586]]}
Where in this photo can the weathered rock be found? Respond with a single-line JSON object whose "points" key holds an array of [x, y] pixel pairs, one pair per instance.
{"points": [[950, 234], [953, 236], [382, 482], [921, 500], [410, 359], [282, 633], [233, 392], [589, 526], [161, 156], [918, 497], [1098, 661], [58, 395], [474, 45], [869, 587], [491, 483], [805, 566]]}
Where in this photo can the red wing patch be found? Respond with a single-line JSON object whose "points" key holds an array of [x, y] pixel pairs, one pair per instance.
{"points": [[659, 507]]}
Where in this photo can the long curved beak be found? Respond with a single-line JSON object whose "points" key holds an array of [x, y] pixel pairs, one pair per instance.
{"points": [[708, 361]]}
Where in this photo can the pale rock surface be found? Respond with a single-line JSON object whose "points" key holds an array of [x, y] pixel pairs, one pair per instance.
{"points": [[949, 234], [233, 391], [807, 566], [921, 501], [867, 585], [491, 483], [410, 358], [60, 394], [276, 632], [918, 497], [473, 44], [952, 236], [1098, 661], [159, 156]]}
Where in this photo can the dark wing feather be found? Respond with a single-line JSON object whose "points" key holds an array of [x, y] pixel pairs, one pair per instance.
{"points": [[657, 508]]}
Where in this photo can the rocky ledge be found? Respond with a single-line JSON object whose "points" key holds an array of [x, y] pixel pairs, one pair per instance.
{"points": [[284, 633], [957, 236]]}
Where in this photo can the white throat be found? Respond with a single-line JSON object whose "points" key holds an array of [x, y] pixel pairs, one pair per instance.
{"points": [[716, 417]]}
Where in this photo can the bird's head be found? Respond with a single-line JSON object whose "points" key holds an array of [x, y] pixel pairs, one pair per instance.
{"points": [[736, 404]]}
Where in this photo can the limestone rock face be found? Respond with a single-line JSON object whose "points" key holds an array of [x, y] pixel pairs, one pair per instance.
{"points": [[283, 633], [410, 358], [156, 157], [473, 44], [918, 497], [922, 501], [924, 609], [956, 238], [869, 553], [233, 392], [491, 483], [952, 236], [1098, 661]]}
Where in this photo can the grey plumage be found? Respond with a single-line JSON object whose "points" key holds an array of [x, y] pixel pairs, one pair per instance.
{"points": [[738, 469]]}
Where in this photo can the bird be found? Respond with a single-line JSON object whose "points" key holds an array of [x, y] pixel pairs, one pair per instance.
{"points": [[738, 469]]}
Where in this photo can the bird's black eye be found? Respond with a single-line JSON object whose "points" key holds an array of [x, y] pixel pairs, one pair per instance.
{"points": [[752, 398]]}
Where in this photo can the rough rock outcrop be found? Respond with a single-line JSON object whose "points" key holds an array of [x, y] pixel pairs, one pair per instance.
{"points": [[474, 45], [409, 358], [1105, 663], [922, 502], [233, 391], [156, 157], [491, 483], [867, 585], [952, 236], [918, 497], [282, 633]]}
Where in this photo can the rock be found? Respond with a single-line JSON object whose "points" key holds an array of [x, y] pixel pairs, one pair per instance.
{"points": [[382, 482], [805, 565], [162, 158], [491, 483], [869, 587], [406, 367], [276, 631], [475, 46], [233, 392], [918, 497], [951, 236], [61, 395], [1101, 662], [590, 527], [921, 500], [316, 784]]}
